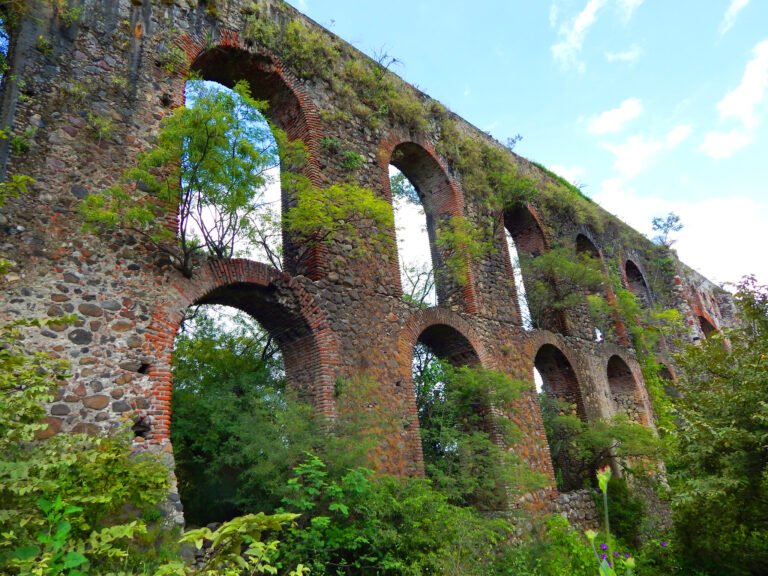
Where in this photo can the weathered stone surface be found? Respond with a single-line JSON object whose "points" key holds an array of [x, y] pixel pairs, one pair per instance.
{"points": [[337, 314], [90, 309], [80, 336], [97, 402]]}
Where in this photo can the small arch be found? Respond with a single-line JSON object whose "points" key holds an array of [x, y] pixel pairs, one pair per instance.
{"points": [[636, 283], [707, 328], [559, 378], [525, 241], [525, 230], [561, 396], [586, 246], [625, 391], [441, 200]]}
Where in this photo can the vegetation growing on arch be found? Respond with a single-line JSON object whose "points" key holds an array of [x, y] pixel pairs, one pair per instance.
{"points": [[210, 164]]}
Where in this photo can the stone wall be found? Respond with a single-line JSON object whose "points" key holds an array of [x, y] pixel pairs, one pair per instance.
{"points": [[337, 314]]}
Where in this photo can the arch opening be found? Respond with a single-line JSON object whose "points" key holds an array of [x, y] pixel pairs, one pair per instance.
{"points": [[706, 327], [564, 415], [637, 284], [596, 293], [230, 189], [431, 189], [238, 424], [417, 275], [461, 452], [525, 242], [286, 115], [625, 391]]}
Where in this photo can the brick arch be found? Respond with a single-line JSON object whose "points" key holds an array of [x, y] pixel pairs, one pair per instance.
{"points": [[557, 369], [280, 304], [561, 383], [584, 242], [441, 198], [634, 280], [624, 384], [290, 108], [452, 339], [460, 341]]}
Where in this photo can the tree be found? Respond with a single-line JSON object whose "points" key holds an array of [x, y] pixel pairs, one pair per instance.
{"points": [[238, 428], [210, 163], [720, 466], [463, 430], [664, 227]]}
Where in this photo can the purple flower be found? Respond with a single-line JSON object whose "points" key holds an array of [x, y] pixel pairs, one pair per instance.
{"points": [[663, 543], [604, 546], [603, 556], [615, 553], [626, 554]]}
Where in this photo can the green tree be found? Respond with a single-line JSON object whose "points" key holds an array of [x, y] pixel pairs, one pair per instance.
{"points": [[210, 162], [664, 227], [64, 500], [238, 429], [720, 467], [463, 431]]}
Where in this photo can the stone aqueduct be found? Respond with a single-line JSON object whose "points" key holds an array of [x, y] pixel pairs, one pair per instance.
{"points": [[334, 316]]}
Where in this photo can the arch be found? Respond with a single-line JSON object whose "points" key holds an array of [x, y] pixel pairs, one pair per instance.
{"points": [[525, 231], [522, 222], [636, 283], [706, 326], [441, 198], [290, 109], [277, 301], [559, 377], [585, 245], [561, 396], [625, 390], [447, 333]]}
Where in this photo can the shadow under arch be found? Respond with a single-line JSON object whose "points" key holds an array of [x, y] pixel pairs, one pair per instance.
{"points": [[441, 199], [559, 377], [635, 282], [561, 395], [625, 391], [290, 109], [277, 301]]}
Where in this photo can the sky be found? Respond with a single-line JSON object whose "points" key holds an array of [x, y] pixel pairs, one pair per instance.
{"points": [[649, 106]]}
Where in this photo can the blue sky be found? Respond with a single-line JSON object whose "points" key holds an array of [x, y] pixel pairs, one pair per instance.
{"points": [[651, 105]]}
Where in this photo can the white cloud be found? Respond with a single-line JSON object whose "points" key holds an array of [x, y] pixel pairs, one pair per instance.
{"points": [[729, 19], [628, 7], [554, 15], [706, 223], [720, 145], [625, 56], [615, 119], [572, 35], [678, 135], [571, 173], [740, 103], [638, 152]]}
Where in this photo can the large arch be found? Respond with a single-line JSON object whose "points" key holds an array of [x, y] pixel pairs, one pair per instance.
{"points": [[441, 199], [290, 109], [277, 301], [625, 391]]}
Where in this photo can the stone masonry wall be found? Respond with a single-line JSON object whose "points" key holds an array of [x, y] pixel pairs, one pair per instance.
{"points": [[336, 314]]}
